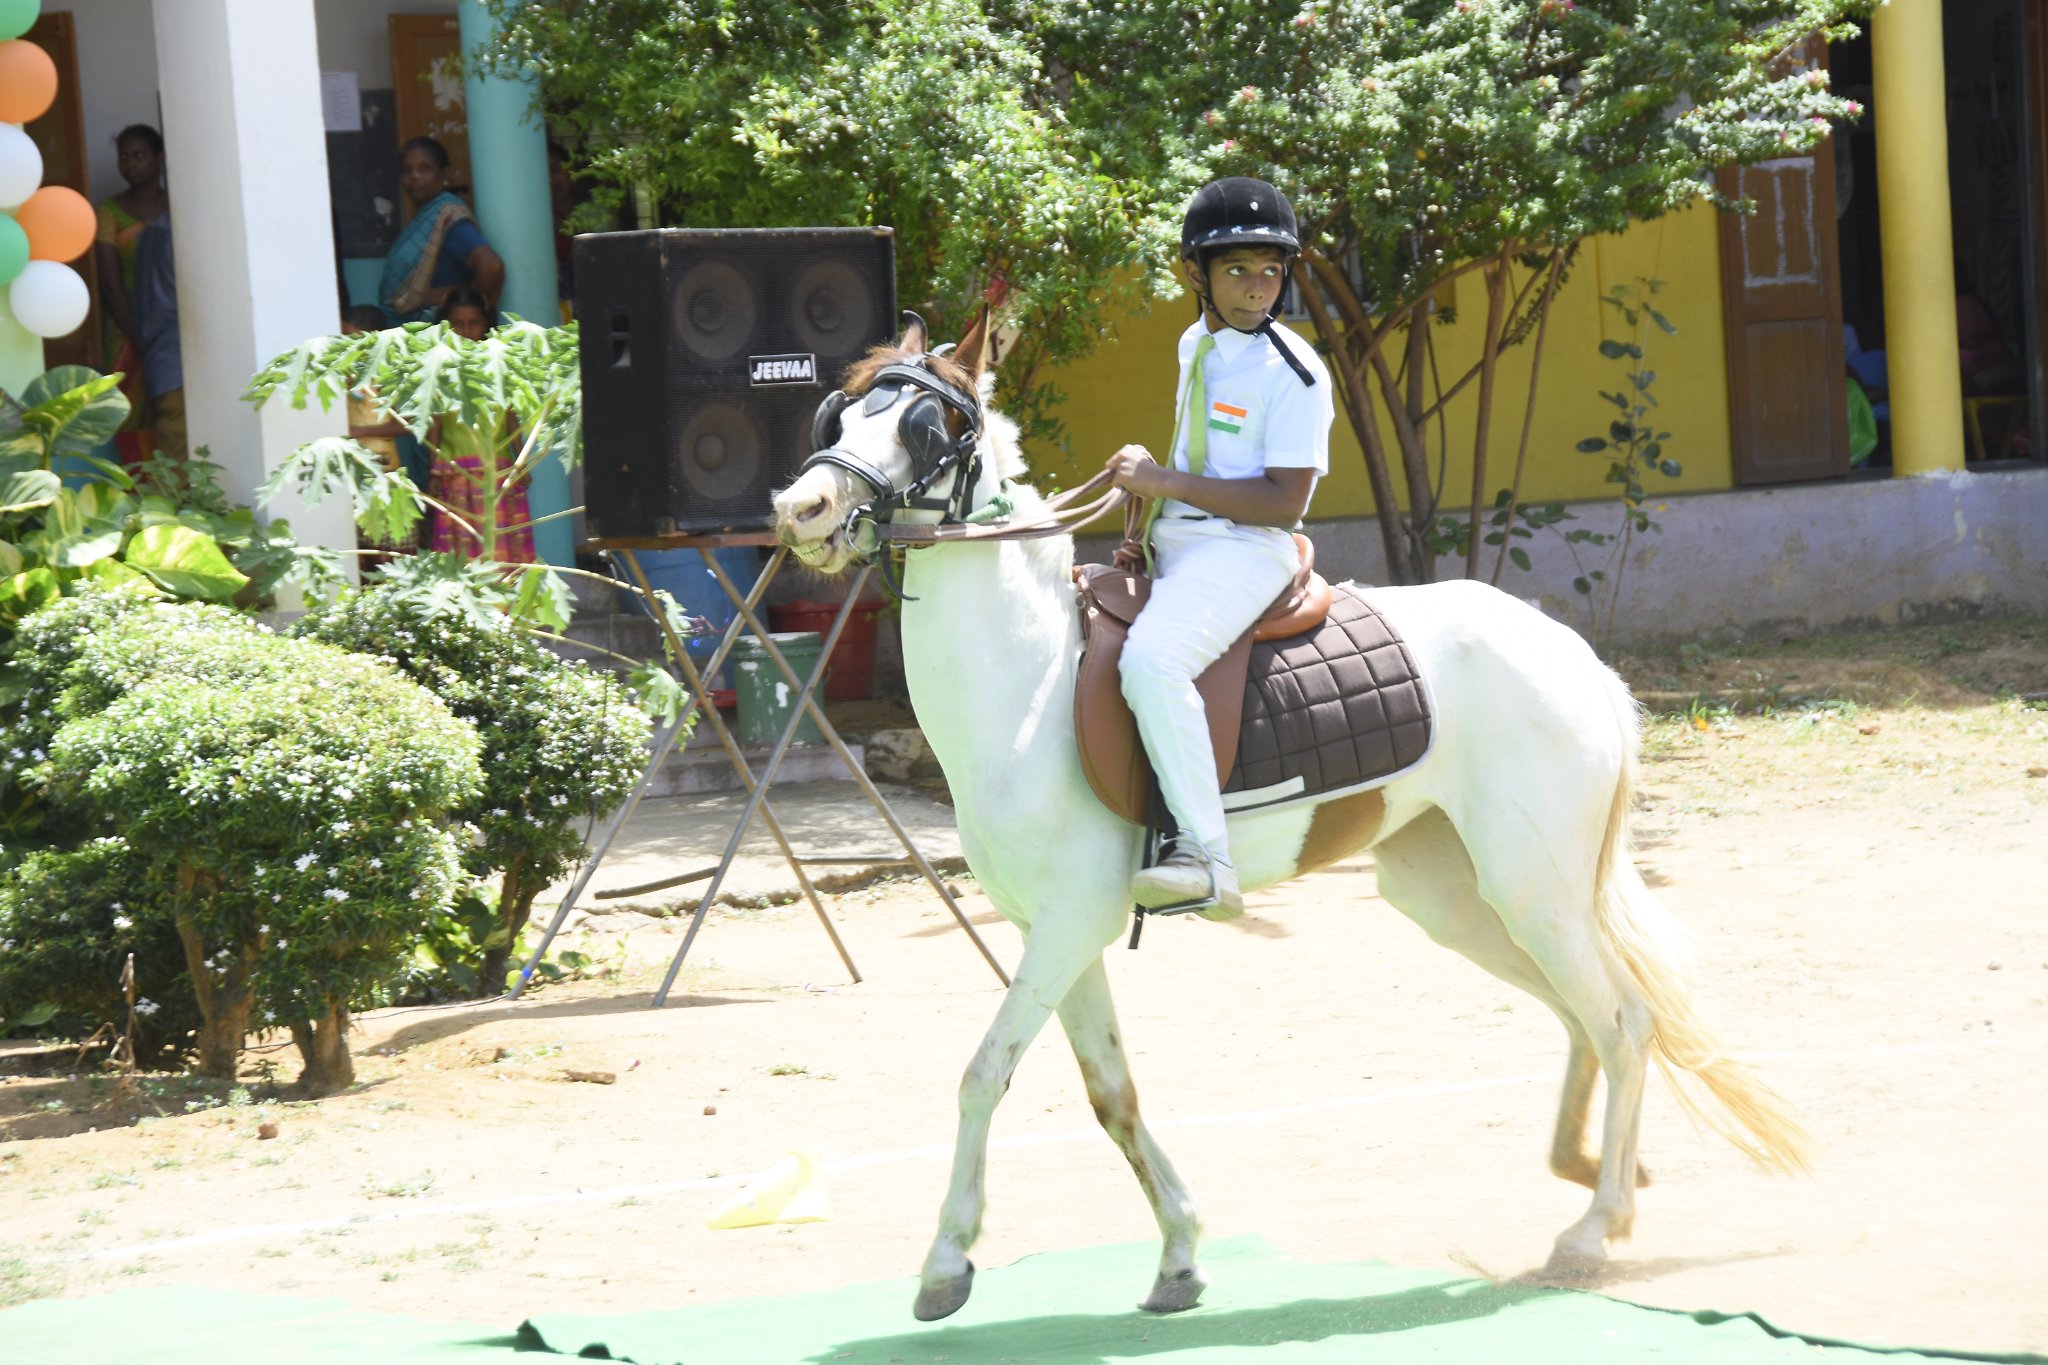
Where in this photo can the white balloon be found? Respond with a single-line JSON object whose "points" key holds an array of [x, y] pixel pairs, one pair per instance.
{"points": [[49, 299], [21, 166]]}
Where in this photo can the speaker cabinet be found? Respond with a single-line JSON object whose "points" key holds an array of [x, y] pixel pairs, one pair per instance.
{"points": [[705, 352]]}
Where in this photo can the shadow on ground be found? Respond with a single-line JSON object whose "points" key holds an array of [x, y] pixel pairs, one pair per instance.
{"points": [[1095, 1339]]}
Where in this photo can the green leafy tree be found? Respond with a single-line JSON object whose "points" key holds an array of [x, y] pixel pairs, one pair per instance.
{"points": [[935, 117], [562, 744], [284, 803], [1422, 140]]}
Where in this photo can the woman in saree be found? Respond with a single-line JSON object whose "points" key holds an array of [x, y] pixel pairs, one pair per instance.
{"points": [[139, 152], [466, 459], [442, 248]]}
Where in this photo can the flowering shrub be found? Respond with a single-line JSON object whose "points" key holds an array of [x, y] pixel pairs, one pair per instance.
{"points": [[69, 918], [284, 800], [562, 742]]}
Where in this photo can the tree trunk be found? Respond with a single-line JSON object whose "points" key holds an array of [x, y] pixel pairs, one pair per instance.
{"points": [[323, 1045], [516, 893], [1489, 365], [1320, 286], [226, 997]]}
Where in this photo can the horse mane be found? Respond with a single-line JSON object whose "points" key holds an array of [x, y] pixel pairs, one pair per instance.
{"points": [[1001, 445]]}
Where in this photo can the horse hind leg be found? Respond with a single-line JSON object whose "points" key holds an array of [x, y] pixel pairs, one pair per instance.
{"points": [[1547, 900], [1427, 872], [1569, 1159], [1089, 1017]]}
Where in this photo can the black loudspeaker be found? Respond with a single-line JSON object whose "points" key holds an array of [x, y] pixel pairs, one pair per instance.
{"points": [[705, 353]]}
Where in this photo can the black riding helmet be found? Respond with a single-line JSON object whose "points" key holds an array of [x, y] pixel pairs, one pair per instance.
{"points": [[1241, 211], [1238, 211]]}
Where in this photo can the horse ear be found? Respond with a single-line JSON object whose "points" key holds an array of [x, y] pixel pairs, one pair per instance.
{"points": [[972, 352], [915, 334]]}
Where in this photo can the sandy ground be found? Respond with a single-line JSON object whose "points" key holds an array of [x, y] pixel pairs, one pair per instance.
{"points": [[1866, 881]]}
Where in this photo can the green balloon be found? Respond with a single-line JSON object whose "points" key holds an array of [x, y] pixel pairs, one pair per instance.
{"points": [[16, 16], [13, 246]]}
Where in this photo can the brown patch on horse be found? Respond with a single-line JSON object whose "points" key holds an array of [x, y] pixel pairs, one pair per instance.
{"points": [[1340, 828], [860, 376]]}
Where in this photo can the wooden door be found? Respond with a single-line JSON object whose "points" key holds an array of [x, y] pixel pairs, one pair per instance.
{"points": [[60, 135], [2034, 240], [1781, 295], [426, 81]]}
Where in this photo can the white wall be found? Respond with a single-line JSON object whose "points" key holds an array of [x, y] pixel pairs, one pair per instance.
{"points": [[116, 77]]}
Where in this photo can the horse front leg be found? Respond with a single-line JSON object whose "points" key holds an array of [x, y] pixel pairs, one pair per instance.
{"points": [[1089, 1017], [1043, 978]]}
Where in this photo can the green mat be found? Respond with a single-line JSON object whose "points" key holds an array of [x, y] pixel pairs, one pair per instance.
{"points": [[175, 1325], [1065, 1308], [1077, 1308]]}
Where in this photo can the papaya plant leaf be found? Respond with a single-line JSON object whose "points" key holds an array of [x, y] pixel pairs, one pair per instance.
{"points": [[544, 598]]}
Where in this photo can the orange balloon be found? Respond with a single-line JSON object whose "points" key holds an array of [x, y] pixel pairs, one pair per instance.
{"points": [[59, 222], [28, 81]]}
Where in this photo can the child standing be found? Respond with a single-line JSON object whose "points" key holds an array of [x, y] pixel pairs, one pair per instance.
{"points": [[1251, 437]]}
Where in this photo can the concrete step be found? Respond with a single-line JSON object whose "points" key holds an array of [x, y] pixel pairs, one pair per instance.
{"points": [[702, 766]]}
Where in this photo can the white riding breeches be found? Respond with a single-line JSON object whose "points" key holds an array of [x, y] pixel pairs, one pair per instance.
{"points": [[1214, 578]]}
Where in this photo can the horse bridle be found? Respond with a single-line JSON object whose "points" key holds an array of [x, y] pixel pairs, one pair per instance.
{"points": [[935, 450], [926, 434]]}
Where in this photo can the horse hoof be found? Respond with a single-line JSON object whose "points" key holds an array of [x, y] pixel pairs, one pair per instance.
{"points": [[1176, 1293], [935, 1301], [1573, 1266]]}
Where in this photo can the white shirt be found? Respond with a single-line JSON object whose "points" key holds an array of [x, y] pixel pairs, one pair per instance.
{"points": [[1259, 414]]}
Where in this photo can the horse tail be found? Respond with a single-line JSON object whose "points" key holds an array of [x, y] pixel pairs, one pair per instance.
{"points": [[1715, 1090]]}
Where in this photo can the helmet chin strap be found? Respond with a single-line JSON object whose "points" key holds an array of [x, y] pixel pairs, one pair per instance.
{"points": [[1264, 329]]}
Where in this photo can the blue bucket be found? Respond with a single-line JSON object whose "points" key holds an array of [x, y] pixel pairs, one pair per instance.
{"points": [[684, 575]]}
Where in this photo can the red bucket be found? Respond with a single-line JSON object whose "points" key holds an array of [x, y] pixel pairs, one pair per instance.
{"points": [[850, 671]]}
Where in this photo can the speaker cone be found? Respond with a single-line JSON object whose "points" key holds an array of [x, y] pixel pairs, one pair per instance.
{"points": [[715, 307], [719, 452], [834, 306]]}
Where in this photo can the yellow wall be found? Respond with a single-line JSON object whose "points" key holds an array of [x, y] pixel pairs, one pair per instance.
{"points": [[1124, 391]]}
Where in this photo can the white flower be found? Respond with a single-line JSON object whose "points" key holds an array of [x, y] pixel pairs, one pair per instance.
{"points": [[335, 893], [147, 1007], [342, 826], [123, 922], [305, 860], [376, 862]]}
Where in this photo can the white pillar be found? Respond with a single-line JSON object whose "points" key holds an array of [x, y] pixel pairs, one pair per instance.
{"points": [[246, 160]]}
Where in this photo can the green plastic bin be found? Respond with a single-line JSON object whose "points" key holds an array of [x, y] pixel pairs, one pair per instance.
{"points": [[765, 696]]}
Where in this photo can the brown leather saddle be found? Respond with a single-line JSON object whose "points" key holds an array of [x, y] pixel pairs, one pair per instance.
{"points": [[1319, 695]]}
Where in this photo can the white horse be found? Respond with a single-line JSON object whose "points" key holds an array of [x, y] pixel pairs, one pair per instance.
{"points": [[1508, 842]]}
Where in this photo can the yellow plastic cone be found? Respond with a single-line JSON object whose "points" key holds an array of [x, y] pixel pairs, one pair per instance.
{"points": [[790, 1191]]}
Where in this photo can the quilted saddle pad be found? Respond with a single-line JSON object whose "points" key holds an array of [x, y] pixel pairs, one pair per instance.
{"points": [[1338, 707]]}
